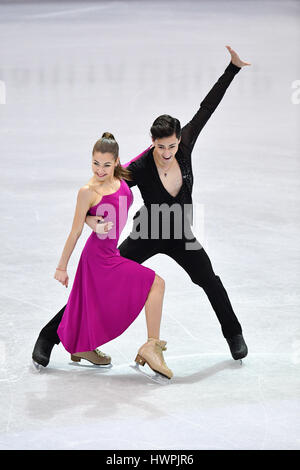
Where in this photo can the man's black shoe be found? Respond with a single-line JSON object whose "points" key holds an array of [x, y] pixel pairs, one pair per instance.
{"points": [[42, 351], [238, 347]]}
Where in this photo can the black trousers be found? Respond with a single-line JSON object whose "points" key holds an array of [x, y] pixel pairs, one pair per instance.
{"points": [[197, 265]]}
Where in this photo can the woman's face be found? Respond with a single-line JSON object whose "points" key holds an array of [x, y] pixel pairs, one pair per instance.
{"points": [[103, 166]]}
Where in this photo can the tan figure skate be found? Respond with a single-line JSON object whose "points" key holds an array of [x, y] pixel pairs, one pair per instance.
{"points": [[96, 357], [151, 353]]}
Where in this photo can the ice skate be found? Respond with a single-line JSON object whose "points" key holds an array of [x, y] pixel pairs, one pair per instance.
{"points": [[151, 353], [96, 357], [41, 353], [237, 347]]}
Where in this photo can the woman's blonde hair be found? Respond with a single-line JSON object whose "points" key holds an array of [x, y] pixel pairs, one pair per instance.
{"points": [[108, 143]]}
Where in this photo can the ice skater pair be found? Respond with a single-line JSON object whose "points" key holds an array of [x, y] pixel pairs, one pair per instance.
{"points": [[163, 174]]}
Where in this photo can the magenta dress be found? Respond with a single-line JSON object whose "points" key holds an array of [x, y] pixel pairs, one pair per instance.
{"points": [[108, 291]]}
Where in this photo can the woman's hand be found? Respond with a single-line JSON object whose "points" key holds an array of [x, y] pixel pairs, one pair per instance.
{"points": [[62, 276], [235, 58]]}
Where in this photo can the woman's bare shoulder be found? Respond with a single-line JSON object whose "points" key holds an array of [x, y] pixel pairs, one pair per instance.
{"points": [[89, 191], [86, 190], [86, 193]]}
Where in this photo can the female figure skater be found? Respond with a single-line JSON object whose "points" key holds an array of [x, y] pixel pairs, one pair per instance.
{"points": [[109, 291]]}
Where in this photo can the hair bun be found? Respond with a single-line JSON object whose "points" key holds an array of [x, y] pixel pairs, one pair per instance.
{"points": [[108, 136]]}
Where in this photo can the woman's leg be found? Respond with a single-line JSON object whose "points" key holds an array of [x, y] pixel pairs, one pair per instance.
{"points": [[153, 307], [140, 250], [152, 351]]}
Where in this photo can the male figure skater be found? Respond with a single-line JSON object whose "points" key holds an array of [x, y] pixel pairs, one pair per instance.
{"points": [[163, 174]]}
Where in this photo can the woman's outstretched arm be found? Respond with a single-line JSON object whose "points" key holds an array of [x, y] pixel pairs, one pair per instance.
{"points": [[84, 200]]}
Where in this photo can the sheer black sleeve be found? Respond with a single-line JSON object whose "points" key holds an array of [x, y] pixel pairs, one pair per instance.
{"points": [[191, 131], [134, 166]]}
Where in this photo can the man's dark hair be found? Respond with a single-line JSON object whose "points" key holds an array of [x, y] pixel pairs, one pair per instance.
{"points": [[165, 126]]}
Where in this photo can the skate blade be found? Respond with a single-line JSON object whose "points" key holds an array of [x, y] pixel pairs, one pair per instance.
{"points": [[38, 367], [91, 365], [155, 377], [238, 361]]}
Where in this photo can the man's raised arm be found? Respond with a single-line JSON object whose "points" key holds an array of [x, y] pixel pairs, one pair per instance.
{"points": [[191, 131]]}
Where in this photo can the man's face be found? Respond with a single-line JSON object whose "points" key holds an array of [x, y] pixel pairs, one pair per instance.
{"points": [[165, 149]]}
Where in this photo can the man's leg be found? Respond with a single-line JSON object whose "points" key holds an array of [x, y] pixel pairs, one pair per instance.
{"points": [[50, 330], [48, 337], [198, 266]]}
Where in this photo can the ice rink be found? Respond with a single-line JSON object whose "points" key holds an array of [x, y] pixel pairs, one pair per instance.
{"points": [[70, 71]]}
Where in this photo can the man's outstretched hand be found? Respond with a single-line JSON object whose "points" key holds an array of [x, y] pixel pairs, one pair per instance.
{"points": [[235, 58]]}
